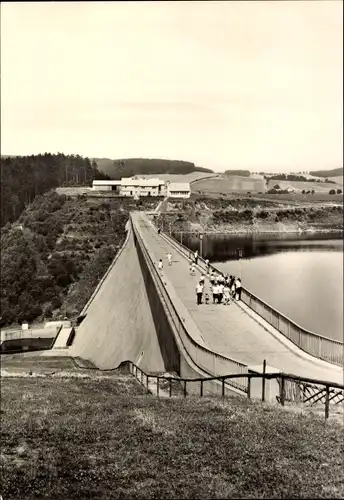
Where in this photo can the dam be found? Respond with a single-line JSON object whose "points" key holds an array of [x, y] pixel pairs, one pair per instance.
{"points": [[152, 320]]}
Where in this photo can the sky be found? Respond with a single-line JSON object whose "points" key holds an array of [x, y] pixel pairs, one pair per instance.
{"points": [[226, 85]]}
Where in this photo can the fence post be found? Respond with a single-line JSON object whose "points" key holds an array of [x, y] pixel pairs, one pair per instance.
{"points": [[263, 380], [170, 389], [327, 402], [184, 388], [223, 387], [282, 390], [157, 386], [249, 387], [147, 377], [141, 376], [201, 391]]}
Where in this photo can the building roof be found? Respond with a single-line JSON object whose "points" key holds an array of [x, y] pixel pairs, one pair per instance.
{"points": [[141, 182], [105, 182], [179, 186]]}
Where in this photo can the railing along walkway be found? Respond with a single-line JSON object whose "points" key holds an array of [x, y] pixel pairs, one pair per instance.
{"points": [[203, 358], [291, 389], [322, 347], [229, 331]]}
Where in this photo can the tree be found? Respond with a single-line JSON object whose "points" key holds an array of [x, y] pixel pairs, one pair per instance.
{"points": [[303, 191], [339, 191], [312, 192], [332, 191], [276, 186]]}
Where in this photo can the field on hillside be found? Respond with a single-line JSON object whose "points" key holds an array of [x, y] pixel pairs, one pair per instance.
{"points": [[225, 185], [71, 436], [299, 198], [319, 187], [338, 180], [193, 176]]}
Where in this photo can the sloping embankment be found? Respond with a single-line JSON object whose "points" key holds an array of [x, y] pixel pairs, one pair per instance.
{"points": [[119, 323]]}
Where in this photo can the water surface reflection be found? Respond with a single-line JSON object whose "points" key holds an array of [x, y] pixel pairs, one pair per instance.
{"points": [[301, 276]]}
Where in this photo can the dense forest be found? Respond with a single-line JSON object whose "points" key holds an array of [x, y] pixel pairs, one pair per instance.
{"points": [[335, 172], [141, 166], [294, 177], [242, 173], [53, 257], [25, 177]]}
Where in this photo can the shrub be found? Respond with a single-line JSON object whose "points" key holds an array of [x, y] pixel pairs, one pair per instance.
{"points": [[56, 303]]}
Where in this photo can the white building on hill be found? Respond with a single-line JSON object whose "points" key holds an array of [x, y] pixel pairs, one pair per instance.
{"points": [[135, 186], [178, 189], [140, 186]]}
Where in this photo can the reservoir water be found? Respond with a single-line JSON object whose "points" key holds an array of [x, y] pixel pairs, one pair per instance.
{"points": [[299, 275]]}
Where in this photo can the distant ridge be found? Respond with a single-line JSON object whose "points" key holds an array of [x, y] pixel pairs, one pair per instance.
{"points": [[335, 172], [128, 167]]}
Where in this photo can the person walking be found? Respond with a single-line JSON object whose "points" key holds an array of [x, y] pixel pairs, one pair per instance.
{"points": [[238, 288], [160, 266], [226, 295], [232, 285], [207, 266], [196, 257], [202, 279], [192, 269], [169, 258], [215, 296], [159, 230], [199, 293], [220, 289]]}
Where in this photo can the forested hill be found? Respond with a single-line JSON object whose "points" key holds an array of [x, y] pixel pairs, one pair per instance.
{"points": [[24, 177], [53, 258], [327, 173], [143, 166]]}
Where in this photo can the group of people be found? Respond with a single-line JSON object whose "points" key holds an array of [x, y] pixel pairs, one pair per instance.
{"points": [[223, 288], [169, 260]]}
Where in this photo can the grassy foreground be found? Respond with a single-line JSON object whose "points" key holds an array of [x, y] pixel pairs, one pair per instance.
{"points": [[70, 437]]}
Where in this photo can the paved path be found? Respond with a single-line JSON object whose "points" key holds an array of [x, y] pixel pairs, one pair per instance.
{"points": [[230, 330]]}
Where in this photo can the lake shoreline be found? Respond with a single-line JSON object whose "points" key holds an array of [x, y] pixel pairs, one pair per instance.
{"points": [[242, 230]]}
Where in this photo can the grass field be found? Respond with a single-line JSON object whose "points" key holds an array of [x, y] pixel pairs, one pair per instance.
{"points": [[226, 185], [193, 176], [290, 198], [101, 438], [338, 179], [319, 187], [301, 198]]}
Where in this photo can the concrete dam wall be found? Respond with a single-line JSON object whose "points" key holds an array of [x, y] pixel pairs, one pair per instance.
{"points": [[119, 323]]}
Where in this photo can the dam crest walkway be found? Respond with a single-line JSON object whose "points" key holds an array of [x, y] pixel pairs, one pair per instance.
{"points": [[234, 331]]}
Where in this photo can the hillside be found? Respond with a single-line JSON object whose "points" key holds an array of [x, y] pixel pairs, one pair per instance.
{"points": [[228, 184], [335, 172], [299, 186], [53, 258], [192, 177], [144, 166], [250, 215], [70, 433]]}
